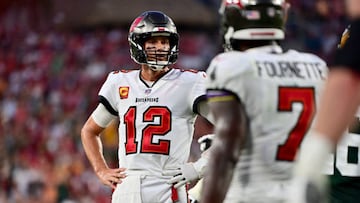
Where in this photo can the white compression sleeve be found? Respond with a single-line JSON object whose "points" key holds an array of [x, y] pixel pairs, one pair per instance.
{"points": [[101, 116]]}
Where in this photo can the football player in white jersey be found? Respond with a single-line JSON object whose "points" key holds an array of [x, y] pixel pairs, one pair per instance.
{"points": [[263, 100], [157, 106]]}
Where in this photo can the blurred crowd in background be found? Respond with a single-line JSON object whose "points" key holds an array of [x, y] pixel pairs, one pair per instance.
{"points": [[49, 80]]}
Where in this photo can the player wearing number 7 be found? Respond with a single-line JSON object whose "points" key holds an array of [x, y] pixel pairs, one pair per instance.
{"points": [[263, 100], [157, 106]]}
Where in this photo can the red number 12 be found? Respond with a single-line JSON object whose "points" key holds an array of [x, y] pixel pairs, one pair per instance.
{"points": [[161, 129]]}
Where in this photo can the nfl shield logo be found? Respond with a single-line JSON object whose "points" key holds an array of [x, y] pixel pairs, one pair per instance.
{"points": [[147, 91], [124, 92]]}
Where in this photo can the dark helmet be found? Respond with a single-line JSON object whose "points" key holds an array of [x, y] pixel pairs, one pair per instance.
{"points": [[252, 20], [150, 24]]}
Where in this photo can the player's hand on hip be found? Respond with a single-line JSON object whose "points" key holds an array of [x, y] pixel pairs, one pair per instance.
{"points": [[111, 177], [185, 174]]}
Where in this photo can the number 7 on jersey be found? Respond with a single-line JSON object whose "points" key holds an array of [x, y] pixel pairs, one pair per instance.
{"points": [[287, 97]]}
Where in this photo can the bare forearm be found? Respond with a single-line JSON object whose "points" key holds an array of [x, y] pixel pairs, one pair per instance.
{"points": [[93, 149], [217, 181], [339, 101], [94, 152], [224, 155], [90, 137], [230, 133]]}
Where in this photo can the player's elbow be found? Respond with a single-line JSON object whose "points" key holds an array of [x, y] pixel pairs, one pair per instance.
{"points": [[84, 133], [90, 129]]}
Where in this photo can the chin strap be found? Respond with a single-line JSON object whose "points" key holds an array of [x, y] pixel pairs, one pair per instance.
{"points": [[157, 67], [229, 33]]}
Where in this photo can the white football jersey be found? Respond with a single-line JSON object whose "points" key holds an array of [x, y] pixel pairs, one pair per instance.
{"points": [[156, 121], [280, 92]]}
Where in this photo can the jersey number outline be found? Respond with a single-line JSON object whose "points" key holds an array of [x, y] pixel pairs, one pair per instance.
{"points": [[288, 96], [161, 129]]}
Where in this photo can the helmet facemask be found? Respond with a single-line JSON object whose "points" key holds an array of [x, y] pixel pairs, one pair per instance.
{"points": [[158, 59], [153, 24]]}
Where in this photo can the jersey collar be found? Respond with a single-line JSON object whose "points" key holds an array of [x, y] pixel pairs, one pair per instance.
{"points": [[152, 85]]}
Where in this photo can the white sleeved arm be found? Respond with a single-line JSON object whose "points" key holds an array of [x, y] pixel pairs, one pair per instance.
{"points": [[101, 116], [197, 91]]}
